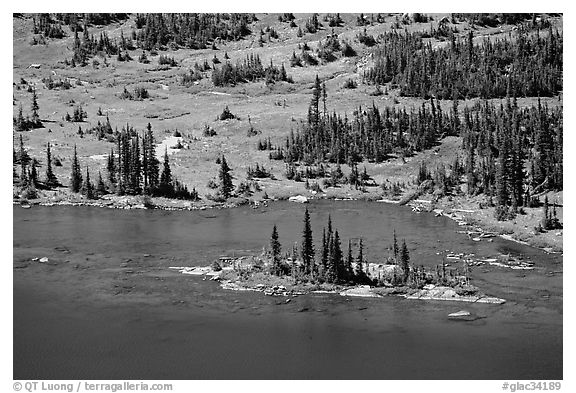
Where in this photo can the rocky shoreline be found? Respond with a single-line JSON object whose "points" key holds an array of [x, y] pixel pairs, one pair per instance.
{"points": [[454, 210], [429, 292]]}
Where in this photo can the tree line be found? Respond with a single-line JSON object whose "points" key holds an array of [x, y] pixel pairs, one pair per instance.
{"points": [[526, 63], [190, 30], [372, 134]]}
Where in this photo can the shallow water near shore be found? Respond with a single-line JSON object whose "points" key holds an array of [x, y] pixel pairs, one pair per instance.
{"points": [[106, 306]]}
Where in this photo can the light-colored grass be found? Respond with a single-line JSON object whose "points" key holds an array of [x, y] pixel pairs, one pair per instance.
{"points": [[173, 106]]}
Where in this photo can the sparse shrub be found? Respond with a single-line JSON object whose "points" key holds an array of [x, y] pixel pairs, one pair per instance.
{"points": [[141, 93], [350, 84], [252, 131], [126, 95], [226, 114], [212, 184], [143, 58], [191, 77], [216, 266], [208, 131], [166, 60], [347, 50]]}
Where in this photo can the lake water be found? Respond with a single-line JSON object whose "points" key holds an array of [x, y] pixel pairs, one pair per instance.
{"points": [[108, 307]]}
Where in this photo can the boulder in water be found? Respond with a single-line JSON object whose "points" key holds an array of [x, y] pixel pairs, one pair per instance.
{"points": [[298, 198], [463, 315], [459, 314]]}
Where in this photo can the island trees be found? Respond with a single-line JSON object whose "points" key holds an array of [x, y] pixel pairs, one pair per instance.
{"points": [[307, 249], [276, 249], [332, 266]]}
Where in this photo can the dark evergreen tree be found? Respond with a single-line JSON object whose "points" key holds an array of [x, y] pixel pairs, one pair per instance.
{"points": [[35, 120], [307, 249], [87, 186], [359, 273], [76, 176], [276, 249], [165, 186], [226, 186], [111, 168], [33, 177], [337, 258], [101, 187], [51, 179], [405, 261], [348, 263], [395, 247]]}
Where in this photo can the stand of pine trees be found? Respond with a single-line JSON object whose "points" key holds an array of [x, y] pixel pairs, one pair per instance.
{"points": [[22, 123], [249, 70], [526, 64], [190, 30], [513, 153], [134, 170], [371, 134], [329, 264]]}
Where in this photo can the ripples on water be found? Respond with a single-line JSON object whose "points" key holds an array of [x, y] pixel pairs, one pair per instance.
{"points": [[250, 336]]}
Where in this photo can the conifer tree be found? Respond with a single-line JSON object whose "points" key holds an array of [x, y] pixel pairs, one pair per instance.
{"points": [[324, 254], [307, 249], [35, 117], [76, 177], [395, 247], [166, 176], [348, 265], [20, 122], [359, 271], [23, 156], [226, 186], [111, 168], [151, 162], [276, 249], [337, 257], [405, 260], [34, 172], [51, 179], [101, 187], [87, 186]]}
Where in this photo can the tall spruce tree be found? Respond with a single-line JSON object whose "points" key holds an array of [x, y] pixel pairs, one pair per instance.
{"points": [[348, 262], [111, 168], [337, 258], [88, 187], [51, 179], [34, 172], [395, 248], [76, 176], [359, 273], [405, 261], [166, 186], [276, 249], [307, 249], [101, 187], [36, 123], [153, 163], [226, 186]]}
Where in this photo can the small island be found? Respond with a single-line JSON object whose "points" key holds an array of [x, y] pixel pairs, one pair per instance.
{"points": [[304, 271]]}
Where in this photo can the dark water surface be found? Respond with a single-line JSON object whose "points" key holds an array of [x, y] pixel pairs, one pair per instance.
{"points": [[103, 309]]}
